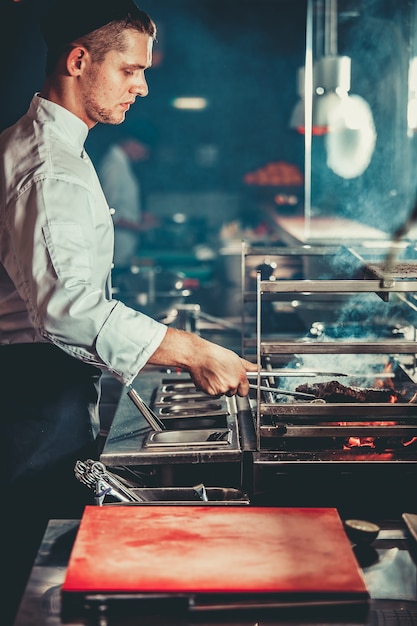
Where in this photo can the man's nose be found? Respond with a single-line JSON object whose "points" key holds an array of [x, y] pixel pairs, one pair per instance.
{"points": [[141, 88]]}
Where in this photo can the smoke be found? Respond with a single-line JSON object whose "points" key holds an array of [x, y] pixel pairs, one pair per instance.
{"points": [[399, 234]]}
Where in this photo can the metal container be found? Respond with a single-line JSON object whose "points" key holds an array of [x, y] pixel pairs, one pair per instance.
{"points": [[223, 496], [188, 438]]}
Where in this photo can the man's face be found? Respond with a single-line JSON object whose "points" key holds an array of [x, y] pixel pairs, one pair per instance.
{"points": [[109, 88]]}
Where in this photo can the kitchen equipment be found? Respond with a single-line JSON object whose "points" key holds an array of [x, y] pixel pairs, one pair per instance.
{"points": [[152, 419], [95, 475], [201, 440], [161, 437], [188, 438], [356, 450], [336, 451], [278, 419]]}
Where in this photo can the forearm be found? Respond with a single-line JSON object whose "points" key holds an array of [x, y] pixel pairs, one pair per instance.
{"points": [[179, 348]]}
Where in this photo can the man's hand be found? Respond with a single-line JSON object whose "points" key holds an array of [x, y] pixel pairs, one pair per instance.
{"points": [[214, 369]]}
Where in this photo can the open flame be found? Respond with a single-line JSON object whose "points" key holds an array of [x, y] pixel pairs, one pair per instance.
{"points": [[381, 383]]}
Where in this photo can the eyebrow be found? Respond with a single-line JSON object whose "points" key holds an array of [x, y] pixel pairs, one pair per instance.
{"points": [[137, 66]]}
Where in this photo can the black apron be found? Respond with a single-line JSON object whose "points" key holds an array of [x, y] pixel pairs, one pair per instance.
{"points": [[48, 420]]}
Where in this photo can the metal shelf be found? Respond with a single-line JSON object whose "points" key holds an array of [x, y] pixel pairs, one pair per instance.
{"points": [[374, 281]]}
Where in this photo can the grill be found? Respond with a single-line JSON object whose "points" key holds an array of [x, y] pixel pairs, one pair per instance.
{"points": [[382, 424], [380, 359], [357, 432]]}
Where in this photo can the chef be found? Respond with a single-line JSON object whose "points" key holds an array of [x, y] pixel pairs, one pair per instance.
{"points": [[59, 325]]}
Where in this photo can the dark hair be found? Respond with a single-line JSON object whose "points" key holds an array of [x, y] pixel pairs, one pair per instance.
{"points": [[99, 26], [110, 37]]}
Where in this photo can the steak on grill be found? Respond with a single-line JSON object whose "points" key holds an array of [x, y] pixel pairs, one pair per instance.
{"points": [[334, 391]]}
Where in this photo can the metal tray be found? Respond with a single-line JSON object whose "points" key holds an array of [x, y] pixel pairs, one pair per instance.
{"points": [[187, 495], [185, 438]]}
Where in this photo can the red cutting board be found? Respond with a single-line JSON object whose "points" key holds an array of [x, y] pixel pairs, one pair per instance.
{"points": [[213, 550]]}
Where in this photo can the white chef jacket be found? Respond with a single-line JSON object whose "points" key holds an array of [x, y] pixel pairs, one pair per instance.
{"points": [[56, 248]]}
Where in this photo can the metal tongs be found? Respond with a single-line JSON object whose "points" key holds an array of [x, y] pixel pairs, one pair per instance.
{"points": [[293, 373], [94, 475], [281, 392], [275, 390]]}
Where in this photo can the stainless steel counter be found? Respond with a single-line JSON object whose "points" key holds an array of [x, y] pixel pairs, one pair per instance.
{"points": [[129, 443]]}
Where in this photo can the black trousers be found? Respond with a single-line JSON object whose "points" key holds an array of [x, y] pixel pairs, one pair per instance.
{"points": [[48, 413]]}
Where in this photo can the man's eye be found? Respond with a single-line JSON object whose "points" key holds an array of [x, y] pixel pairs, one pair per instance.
{"points": [[129, 72]]}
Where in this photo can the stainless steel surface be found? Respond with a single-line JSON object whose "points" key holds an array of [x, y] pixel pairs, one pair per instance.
{"points": [[188, 438], [184, 409], [125, 444], [347, 410], [178, 386], [188, 398], [339, 430], [199, 494], [176, 399], [270, 347]]}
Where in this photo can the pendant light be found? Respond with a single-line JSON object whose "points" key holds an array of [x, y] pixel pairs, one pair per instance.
{"points": [[412, 97], [345, 120]]}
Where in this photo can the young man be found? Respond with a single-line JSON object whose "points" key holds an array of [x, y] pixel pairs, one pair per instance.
{"points": [[59, 326]]}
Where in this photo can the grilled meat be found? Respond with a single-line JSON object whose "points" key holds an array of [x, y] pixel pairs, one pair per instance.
{"points": [[334, 391]]}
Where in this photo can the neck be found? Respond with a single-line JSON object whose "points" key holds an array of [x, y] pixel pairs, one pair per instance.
{"points": [[60, 92]]}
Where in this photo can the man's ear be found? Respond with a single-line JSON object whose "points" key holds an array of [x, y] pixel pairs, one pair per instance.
{"points": [[75, 60]]}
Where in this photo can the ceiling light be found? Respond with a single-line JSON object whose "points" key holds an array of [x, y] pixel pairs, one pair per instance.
{"points": [[190, 103], [412, 96]]}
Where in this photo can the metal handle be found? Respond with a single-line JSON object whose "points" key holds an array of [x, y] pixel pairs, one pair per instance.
{"points": [[292, 373], [200, 490], [153, 420], [296, 394]]}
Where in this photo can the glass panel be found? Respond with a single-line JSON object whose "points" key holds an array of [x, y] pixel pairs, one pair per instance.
{"points": [[363, 111]]}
